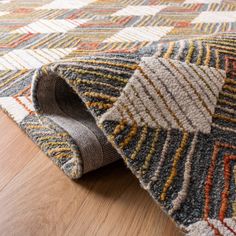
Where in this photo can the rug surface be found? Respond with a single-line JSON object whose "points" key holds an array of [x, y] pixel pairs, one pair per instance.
{"points": [[149, 81]]}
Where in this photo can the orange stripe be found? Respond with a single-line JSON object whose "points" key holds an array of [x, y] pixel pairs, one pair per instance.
{"points": [[209, 179], [225, 193], [22, 104]]}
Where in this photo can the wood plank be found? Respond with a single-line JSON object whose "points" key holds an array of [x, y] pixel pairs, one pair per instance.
{"points": [[40, 200], [16, 149], [120, 207]]}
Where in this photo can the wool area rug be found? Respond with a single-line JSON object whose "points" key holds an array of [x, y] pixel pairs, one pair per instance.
{"points": [[149, 81]]}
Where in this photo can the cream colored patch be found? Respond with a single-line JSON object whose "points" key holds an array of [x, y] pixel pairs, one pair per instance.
{"points": [[169, 93], [203, 228]]}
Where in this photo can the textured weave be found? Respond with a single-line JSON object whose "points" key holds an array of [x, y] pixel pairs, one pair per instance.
{"points": [[156, 78]]}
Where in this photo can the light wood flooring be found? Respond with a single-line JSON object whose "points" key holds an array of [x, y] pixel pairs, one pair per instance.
{"points": [[36, 198]]}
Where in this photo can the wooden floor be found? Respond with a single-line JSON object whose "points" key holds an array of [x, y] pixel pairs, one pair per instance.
{"points": [[36, 198]]}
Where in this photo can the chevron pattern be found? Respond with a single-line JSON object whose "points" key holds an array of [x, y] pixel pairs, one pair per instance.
{"points": [[160, 78]]}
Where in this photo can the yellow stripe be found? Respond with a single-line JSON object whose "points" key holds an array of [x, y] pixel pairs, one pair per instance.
{"points": [[54, 143], [99, 105], [173, 173], [107, 76], [224, 102], [190, 52], [62, 155], [133, 130], [216, 40], [169, 50], [230, 81], [232, 96], [44, 69], [229, 88], [223, 42], [131, 67], [81, 81], [36, 127], [200, 53], [225, 118], [208, 56], [121, 126], [230, 52], [211, 31], [151, 152], [50, 152], [143, 137], [222, 47], [217, 59], [132, 133], [45, 138], [100, 95], [13, 77]]}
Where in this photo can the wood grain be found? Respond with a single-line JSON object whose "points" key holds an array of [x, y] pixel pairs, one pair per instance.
{"points": [[36, 198]]}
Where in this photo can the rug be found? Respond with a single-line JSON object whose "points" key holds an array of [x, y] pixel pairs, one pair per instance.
{"points": [[150, 81]]}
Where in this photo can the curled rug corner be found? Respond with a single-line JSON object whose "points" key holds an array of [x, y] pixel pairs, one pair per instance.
{"points": [[170, 113], [60, 109]]}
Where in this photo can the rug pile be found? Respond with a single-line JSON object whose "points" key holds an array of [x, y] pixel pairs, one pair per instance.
{"points": [[149, 81]]}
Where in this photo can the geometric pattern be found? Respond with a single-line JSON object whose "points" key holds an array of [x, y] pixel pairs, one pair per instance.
{"points": [[215, 17], [30, 59], [202, 1], [185, 157], [18, 107], [168, 157], [66, 4], [139, 10], [193, 106], [176, 191], [50, 26], [131, 34]]}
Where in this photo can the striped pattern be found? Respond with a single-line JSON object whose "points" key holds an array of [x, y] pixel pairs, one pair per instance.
{"points": [[219, 17], [131, 34], [135, 99], [159, 81], [17, 107], [20, 59], [66, 4], [49, 26], [202, 1], [56, 143], [139, 10], [170, 108]]}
